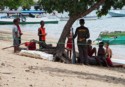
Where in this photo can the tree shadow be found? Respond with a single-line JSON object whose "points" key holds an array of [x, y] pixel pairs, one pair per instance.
{"points": [[81, 75], [116, 69], [120, 69]]}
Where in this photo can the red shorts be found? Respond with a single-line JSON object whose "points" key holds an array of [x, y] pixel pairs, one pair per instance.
{"points": [[69, 46], [109, 61]]}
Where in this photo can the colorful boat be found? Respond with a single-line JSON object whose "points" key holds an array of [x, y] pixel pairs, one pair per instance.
{"points": [[117, 13], [27, 17], [114, 38]]}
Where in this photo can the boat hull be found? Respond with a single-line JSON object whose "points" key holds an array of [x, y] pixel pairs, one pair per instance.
{"points": [[114, 14], [9, 21], [120, 40]]}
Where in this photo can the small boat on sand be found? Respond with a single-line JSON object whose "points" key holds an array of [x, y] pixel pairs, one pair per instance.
{"points": [[114, 38]]}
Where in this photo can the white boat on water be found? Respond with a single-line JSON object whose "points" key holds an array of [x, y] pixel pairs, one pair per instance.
{"points": [[117, 13], [27, 17]]}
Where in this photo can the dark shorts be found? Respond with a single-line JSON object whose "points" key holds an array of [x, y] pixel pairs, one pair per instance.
{"points": [[16, 42]]}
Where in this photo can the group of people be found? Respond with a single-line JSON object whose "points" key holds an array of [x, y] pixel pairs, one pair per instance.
{"points": [[17, 33], [85, 49]]}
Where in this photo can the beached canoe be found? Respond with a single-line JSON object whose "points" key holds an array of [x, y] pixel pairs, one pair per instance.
{"points": [[114, 38]]}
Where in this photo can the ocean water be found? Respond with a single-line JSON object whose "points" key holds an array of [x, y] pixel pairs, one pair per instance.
{"points": [[95, 26]]}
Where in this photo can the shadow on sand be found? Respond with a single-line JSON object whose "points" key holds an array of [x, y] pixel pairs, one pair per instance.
{"points": [[81, 75]]}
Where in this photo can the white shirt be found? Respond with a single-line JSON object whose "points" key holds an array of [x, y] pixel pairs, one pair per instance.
{"points": [[14, 30]]}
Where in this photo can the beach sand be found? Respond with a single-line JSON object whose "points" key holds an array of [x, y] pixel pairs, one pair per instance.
{"points": [[20, 71]]}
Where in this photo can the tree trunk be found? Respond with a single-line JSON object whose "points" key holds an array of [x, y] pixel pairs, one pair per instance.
{"points": [[61, 42]]}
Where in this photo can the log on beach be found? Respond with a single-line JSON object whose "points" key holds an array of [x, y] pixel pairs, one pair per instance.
{"points": [[36, 54]]}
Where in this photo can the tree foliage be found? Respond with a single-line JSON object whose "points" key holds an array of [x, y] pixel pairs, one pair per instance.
{"points": [[16, 3], [75, 7]]}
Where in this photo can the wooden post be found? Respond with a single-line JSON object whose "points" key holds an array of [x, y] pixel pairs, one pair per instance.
{"points": [[73, 50]]}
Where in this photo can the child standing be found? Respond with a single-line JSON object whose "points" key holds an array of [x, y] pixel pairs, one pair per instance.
{"points": [[16, 35], [42, 34], [69, 45]]}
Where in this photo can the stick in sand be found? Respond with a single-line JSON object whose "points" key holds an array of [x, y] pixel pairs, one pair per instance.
{"points": [[10, 46]]}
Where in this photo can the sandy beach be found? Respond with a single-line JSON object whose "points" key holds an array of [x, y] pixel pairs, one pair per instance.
{"points": [[21, 71]]}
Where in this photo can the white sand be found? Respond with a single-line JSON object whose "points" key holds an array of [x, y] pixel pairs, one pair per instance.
{"points": [[20, 71]]}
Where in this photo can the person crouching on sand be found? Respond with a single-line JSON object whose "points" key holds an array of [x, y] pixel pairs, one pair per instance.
{"points": [[106, 55], [109, 56]]}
